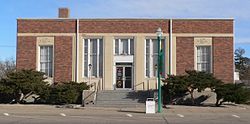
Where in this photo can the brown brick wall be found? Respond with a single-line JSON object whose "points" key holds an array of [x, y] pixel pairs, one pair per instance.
{"points": [[63, 58], [26, 53], [92, 26], [184, 54], [123, 26], [46, 26], [223, 58], [205, 26]]}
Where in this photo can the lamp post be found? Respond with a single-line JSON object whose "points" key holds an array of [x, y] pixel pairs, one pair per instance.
{"points": [[159, 34], [90, 67]]}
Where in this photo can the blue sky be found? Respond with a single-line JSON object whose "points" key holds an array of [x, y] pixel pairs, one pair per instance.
{"points": [[10, 10]]}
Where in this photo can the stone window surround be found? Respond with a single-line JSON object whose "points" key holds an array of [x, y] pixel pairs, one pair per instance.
{"points": [[44, 41], [83, 54], [120, 46], [203, 41], [151, 68]]}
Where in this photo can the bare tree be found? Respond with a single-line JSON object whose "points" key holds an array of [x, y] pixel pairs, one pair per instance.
{"points": [[7, 66], [242, 64]]}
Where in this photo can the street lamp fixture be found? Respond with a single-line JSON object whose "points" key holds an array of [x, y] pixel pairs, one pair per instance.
{"points": [[159, 34], [90, 67]]}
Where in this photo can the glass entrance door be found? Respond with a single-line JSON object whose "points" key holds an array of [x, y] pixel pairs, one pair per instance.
{"points": [[124, 77]]}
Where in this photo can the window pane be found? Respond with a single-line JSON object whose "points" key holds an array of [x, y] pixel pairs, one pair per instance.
{"points": [[42, 67], [147, 57], [94, 47], [155, 47], [85, 57], [147, 46], [155, 56], [94, 65], [147, 65], [42, 59], [116, 46], [94, 57], [85, 65], [132, 46], [46, 60], [124, 46], [152, 57], [100, 57], [50, 53], [100, 66], [155, 62], [199, 66], [86, 46], [128, 76], [46, 69], [204, 58], [208, 67], [50, 69], [100, 46]]}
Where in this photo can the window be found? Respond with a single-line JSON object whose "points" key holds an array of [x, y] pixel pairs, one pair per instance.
{"points": [[93, 54], [124, 46], [152, 57], [204, 58], [46, 60]]}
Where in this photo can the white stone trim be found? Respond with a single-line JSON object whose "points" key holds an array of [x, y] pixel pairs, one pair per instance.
{"points": [[45, 41], [97, 55], [203, 41]]}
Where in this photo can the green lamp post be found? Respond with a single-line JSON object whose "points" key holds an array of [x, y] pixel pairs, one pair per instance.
{"points": [[159, 69]]}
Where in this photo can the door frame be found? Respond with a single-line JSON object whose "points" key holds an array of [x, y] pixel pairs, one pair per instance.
{"points": [[121, 64]]}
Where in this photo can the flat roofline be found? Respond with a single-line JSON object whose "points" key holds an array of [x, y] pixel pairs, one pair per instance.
{"points": [[125, 18]]}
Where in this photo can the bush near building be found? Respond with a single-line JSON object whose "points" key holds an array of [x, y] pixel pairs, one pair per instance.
{"points": [[64, 93], [174, 87], [236, 93], [19, 85], [191, 81], [180, 85]]}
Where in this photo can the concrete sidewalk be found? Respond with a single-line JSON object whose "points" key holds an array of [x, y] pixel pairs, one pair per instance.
{"points": [[51, 109], [206, 109], [173, 114]]}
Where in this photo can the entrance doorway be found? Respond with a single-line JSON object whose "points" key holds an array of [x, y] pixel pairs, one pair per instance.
{"points": [[124, 76]]}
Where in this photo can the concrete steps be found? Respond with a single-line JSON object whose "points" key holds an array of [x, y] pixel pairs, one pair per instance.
{"points": [[122, 98]]}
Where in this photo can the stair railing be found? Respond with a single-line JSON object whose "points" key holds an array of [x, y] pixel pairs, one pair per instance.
{"points": [[95, 87], [140, 84], [97, 84]]}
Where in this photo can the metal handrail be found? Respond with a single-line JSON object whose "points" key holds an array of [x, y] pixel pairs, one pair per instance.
{"points": [[142, 83], [96, 89]]}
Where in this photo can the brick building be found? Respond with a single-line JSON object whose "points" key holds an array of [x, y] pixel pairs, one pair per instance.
{"points": [[122, 53]]}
